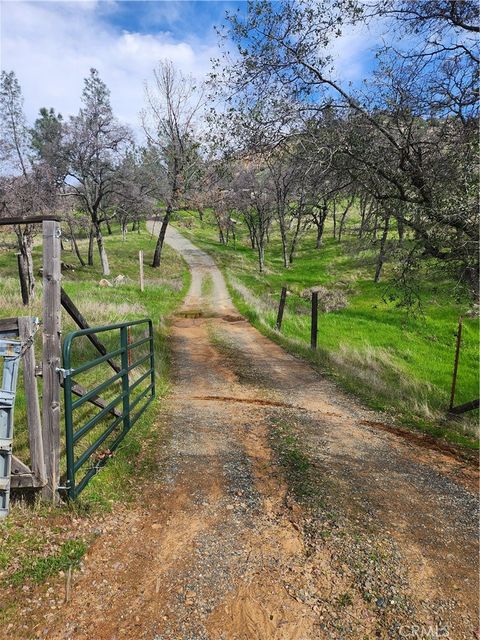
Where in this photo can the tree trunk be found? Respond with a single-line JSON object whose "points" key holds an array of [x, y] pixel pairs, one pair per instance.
{"points": [[101, 250], [381, 255], [161, 238], [471, 276], [293, 245], [90, 247], [363, 210], [334, 219], [22, 276], [283, 232], [284, 247], [25, 262], [251, 233], [375, 224], [75, 245], [261, 255], [321, 225], [109, 228], [343, 218]]}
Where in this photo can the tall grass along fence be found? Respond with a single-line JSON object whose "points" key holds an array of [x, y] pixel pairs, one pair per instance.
{"points": [[314, 308]]}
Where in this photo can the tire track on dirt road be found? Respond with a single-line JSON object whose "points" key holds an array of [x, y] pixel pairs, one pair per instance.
{"points": [[219, 548]]}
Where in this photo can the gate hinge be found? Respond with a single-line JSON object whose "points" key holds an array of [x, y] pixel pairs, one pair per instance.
{"points": [[64, 373]]}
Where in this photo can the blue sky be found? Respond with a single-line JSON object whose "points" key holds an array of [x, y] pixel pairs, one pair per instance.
{"points": [[51, 46], [181, 18]]}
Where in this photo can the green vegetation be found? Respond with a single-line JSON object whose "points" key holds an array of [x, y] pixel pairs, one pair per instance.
{"points": [[207, 286], [395, 360], [295, 461], [39, 541], [37, 570]]}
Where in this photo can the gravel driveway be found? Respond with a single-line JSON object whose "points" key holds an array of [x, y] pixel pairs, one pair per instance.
{"points": [[280, 510]]}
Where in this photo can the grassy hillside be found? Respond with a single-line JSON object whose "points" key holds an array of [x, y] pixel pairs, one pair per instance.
{"points": [[395, 360]]}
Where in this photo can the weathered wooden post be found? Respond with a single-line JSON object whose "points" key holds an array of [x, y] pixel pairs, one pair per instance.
{"points": [[140, 260], [455, 364], [51, 356], [281, 307], [314, 326], [26, 329]]}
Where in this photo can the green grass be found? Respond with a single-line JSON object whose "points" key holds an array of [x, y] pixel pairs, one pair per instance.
{"points": [[394, 360], [294, 460], [37, 570], [38, 540], [207, 286]]}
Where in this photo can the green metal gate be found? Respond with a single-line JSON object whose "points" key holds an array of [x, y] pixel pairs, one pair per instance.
{"points": [[128, 393]]}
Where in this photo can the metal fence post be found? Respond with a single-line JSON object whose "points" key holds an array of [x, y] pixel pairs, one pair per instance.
{"points": [[281, 307], [455, 364], [314, 327]]}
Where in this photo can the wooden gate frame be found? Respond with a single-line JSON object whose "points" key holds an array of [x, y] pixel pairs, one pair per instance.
{"points": [[22, 476], [47, 475], [45, 436]]}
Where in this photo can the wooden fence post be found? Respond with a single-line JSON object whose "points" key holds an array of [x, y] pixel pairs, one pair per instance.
{"points": [[281, 307], [314, 326], [455, 364], [26, 329], [140, 260], [51, 356]]}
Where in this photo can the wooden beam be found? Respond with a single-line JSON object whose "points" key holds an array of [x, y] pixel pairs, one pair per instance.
{"points": [[98, 401], [28, 220], [468, 406], [74, 313], [35, 437], [51, 357], [8, 324], [22, 476]]}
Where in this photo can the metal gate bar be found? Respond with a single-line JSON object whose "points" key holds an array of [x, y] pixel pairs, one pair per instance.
{"points": [[75, 433]]}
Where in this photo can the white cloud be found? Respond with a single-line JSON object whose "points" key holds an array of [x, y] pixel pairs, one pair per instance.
{"points": [[52, 45], [352, 51]]}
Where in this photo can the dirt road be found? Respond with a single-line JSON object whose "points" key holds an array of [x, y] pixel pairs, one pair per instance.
{"points": [[279, 510]]}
